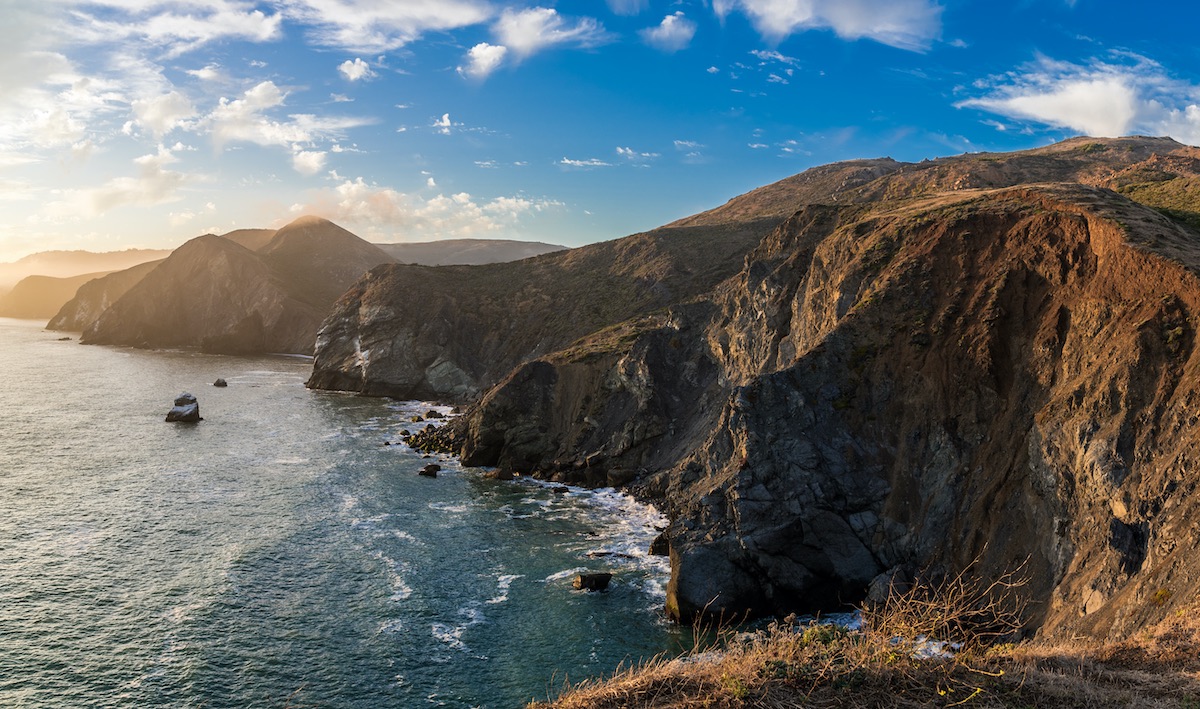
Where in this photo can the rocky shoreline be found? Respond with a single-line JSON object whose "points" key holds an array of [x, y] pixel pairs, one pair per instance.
{"points": [[921, 371]]}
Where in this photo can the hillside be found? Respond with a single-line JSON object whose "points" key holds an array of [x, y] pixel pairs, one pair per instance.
{"points": [[915, 377], [471, 325], [93, 297], [466, 252], [38, 297], [66, 264], [220, 296]]}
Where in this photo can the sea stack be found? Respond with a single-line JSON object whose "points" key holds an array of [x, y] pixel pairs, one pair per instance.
{"points": [[186, 409]]}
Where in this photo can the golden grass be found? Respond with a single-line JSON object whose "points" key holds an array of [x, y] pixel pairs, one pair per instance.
{"points": [[790, 665]]}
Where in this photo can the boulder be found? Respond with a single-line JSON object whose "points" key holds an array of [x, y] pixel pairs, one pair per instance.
{"points": [[661, 546], [186, 409], [434, 414], [430, 471], [592, 581], [220, 383]]}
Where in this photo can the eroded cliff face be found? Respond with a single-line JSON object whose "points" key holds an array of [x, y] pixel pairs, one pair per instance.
{"points": [[1004, 378], [450, 332]]}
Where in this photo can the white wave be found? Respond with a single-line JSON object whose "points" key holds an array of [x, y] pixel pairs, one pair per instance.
{"points": [[566, 573], [502, 585]]}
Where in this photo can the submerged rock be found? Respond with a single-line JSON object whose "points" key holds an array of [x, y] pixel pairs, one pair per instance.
{"points": [[186, 409], [430, 471], [220, 383], [591, 581]]}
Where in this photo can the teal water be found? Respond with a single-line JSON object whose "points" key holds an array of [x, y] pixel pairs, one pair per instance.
{"points": [[278, 554]]}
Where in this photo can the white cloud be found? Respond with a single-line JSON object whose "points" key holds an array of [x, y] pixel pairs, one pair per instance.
{"points": [[687, 145], [340, 98], [178, 26], [527, 31], [154, 184], [627, 7], [377, 26], [308, 162], [673, 34], [246, 120], [482, 60], [773, 56], [713, 70], [164, 113], [905, 24], [1130, 94], [443, 124], [384, 211], [635, 156], [590, 162], [210, 72], [355, 70]]}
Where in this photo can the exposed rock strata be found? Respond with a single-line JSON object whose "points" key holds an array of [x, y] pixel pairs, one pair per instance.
{"points": [[924, 372], [420, 332], [1005, 376]]}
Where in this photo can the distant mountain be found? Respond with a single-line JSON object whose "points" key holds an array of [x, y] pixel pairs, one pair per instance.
{"points": [[41, 296], [64, 264], [215, 294], [467, 252], [95, 296]]}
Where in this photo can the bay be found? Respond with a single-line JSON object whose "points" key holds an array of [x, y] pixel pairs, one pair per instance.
{"points": [[278, 553]]}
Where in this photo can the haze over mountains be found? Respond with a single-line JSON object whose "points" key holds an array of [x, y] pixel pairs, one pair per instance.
{"points": [[982, 361], [311, 262]]}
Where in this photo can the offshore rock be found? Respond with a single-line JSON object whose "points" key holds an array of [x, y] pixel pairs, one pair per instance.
{"points": [[185, 410], [597, 581]]}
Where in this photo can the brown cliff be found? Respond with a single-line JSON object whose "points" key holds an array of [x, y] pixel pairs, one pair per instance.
{"points": [[924, 379]]}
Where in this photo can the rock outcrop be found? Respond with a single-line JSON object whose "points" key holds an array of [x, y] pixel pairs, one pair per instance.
{"points": [[918, 375], [185, 410], [449, 333]]}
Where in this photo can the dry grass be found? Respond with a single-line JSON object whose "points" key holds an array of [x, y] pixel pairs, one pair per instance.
{"points": [[790, 665]]}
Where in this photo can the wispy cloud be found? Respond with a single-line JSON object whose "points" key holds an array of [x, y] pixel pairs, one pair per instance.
{"points": [[1125, 94], [905, 24], [528, 31], [674, 33], [627, 7], [246, 120], [590, 162], [385, 210], [372, 26]]}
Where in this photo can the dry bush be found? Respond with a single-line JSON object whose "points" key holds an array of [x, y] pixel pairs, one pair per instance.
{"points": [[803, 665]]}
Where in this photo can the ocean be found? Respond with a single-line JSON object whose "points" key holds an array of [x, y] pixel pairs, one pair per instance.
{"points": [[279, 554]]}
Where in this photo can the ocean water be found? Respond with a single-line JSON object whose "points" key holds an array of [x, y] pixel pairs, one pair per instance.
{"points": [[278, 554]]}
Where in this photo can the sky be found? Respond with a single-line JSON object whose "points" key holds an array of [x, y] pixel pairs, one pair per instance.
{"points": [[142, 123]]}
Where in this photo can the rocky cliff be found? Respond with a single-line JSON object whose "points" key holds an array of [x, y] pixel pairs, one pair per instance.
{"points": [[94, 296], [450, 333], [918, 374]]}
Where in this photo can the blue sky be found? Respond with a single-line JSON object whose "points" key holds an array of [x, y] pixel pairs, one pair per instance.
{"points": [[146, 122]]}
